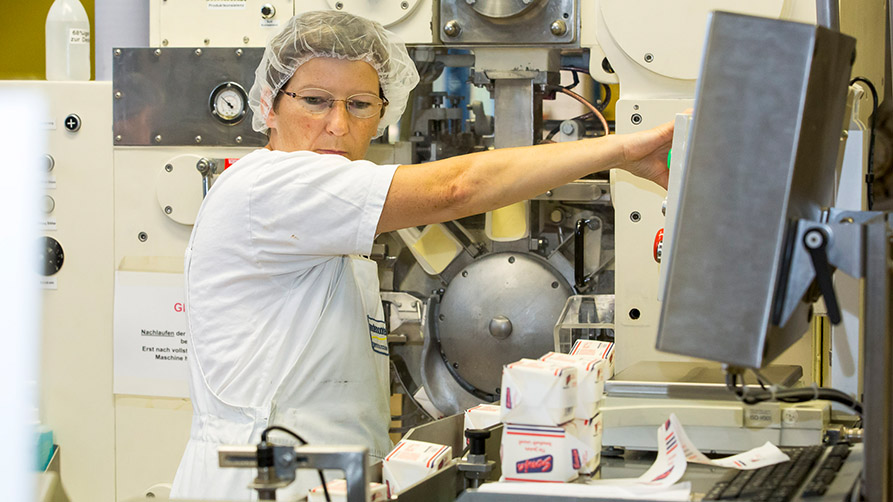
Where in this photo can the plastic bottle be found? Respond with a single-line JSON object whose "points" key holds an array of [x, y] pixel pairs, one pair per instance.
{"points": [[68, 41]]}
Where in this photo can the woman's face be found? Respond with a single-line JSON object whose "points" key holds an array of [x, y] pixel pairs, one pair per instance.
{"points": [[336, 131]]}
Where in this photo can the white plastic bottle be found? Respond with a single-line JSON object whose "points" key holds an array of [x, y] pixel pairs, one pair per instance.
{"points": [[68, 41]]}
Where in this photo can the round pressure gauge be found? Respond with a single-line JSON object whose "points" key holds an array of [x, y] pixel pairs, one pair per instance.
{"points": [[229, 103]]}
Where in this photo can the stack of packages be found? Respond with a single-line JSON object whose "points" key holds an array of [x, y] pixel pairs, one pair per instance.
{"points": [[550, 408]]}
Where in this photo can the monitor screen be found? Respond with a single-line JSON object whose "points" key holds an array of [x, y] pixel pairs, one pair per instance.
{"points": [[762, 152]]}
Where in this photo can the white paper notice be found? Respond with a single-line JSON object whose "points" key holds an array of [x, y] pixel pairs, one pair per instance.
{"points": [[150, 334]]}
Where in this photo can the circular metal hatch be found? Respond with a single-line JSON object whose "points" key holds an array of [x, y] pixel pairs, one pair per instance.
{"points": [[501, 9], [499, 309]]}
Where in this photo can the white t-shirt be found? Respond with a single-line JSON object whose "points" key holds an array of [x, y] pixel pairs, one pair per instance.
{"points": [[260, 253]]}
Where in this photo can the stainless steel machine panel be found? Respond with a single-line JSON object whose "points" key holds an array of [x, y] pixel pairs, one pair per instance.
{"points": [[509, 22], [184, 97], [750, 171]]}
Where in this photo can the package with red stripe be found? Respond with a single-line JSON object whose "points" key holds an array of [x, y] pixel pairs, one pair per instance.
{"points": [[591, 375], [412, 461], [596, 348], [538, 393], [338, 492], [589, 432], [547, 454], [481, 417]]}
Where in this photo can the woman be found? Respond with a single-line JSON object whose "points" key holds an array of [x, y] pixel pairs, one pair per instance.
{"points": [[284, 314]]}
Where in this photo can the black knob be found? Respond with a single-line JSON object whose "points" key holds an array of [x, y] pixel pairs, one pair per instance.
{"points": [[477, 439]]}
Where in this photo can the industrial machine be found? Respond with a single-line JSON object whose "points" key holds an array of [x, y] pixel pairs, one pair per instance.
{"points": [[452, 323]]}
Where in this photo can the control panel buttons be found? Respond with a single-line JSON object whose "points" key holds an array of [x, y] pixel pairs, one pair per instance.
{"points": [[72, 123]]}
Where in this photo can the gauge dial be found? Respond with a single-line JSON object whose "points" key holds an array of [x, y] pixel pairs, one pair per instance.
{"points": [[50, 256], [229, 103]]}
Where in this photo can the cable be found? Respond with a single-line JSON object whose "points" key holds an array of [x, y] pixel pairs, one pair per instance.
{"points": [[869, 177], [589, 105], [789, 395], [263, 438]]}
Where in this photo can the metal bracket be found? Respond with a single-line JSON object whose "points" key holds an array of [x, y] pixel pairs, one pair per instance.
{"points": [[349, 459]]}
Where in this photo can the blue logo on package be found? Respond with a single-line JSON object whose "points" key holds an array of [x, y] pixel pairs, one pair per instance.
{"points": [[534, 465], [378, 334]]}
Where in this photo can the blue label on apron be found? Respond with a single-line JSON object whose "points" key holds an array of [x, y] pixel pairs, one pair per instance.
{"points": [[378, 334]]}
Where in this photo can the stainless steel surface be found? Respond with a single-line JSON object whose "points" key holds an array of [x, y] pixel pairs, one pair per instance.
{"points": [[688, 380], [499, 309], [519, 109], [777, 165], [503, 8], [878, 338], [508, 22], [580, 190], [352, 460], [827, 14], [443, 486], [449, 431], [165, 96]]}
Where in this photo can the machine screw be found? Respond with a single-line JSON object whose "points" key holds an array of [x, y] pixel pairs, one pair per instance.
{"points": [[118, 94], [568, 127], [238, 53], [635, 216], [143, 236], [118, 138], [464, 273], [452, 28], [238, 139], [814, 239], [555, 284], [207, 41], [203, 166], [511, 259], [339, 5], [441, 317], [198, 52], [168, 167], [168, 210], [548, 193], [117, 52], [649, 57], [158, 138], [558, 27], [404, 5], [245, 39], [158, 51], [198, 139], [636, 119]]}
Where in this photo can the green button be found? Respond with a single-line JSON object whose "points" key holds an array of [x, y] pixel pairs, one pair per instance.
{"points": [[669, 156]]}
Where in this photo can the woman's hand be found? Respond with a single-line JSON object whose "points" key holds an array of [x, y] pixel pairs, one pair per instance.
{"points": [[645, 153]]}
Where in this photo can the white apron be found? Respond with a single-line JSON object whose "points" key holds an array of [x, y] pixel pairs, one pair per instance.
{"points": [[336, 393]]}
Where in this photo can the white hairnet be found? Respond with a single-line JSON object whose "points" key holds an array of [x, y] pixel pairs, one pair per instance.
{"points": [[333, 34]]}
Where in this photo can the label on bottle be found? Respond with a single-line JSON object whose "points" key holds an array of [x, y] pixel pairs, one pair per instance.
{"points": [[226, 4], [78, 36]]}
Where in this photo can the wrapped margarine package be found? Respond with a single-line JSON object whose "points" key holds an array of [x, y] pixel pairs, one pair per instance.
{"points": [[412, 461], [338, 492], [589, 432], [538, 393], [591, 375], [481, 417], [596, 348], [554, 453]]}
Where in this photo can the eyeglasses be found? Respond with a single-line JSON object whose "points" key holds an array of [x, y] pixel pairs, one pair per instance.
{"points": [[320, 101]]}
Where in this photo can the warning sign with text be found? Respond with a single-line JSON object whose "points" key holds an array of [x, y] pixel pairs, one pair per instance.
{"points": [[151, 348]]}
